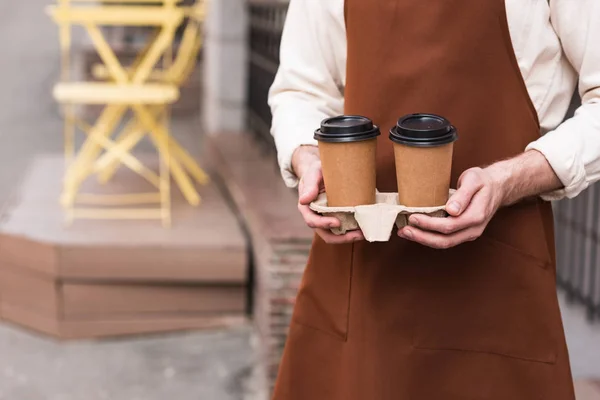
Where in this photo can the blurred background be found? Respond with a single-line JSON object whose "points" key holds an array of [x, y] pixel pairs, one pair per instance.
{"points": [[148, 247]]}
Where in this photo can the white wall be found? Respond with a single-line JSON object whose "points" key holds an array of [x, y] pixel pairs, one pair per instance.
{"points": [[225, 66]]}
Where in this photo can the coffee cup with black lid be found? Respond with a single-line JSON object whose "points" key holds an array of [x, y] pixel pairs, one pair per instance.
{"points": [[423, 149], [347, 146]]}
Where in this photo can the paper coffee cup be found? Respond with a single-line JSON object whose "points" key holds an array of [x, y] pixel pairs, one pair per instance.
{"points": [[423, 146], [347, 146]]}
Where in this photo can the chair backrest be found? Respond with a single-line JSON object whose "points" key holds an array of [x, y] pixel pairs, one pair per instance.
{"points": [[65, 37], [179, 69], [189, 47]]}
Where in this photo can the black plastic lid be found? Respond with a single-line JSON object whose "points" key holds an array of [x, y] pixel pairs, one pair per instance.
{"points": [[346, 128], [423, 130]]}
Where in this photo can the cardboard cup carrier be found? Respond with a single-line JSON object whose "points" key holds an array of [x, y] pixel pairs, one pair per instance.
{"points": [[423, 145]]}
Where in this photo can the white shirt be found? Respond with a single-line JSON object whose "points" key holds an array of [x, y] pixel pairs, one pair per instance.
{"points": [[554, 43]]}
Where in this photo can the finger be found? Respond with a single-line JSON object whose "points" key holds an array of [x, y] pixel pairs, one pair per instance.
{"points": [[440, 241], [311, 182], [330, 238], [314, 220], [469, 184], [473, 216]]}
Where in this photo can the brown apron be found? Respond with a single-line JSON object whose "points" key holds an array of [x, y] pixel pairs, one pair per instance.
{"points": [[401, 321]]}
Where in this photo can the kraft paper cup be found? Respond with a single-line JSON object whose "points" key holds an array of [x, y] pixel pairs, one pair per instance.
{"points": [[347, 146], [423, 148]]}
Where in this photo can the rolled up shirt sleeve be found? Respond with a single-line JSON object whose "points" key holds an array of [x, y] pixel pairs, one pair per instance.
{"points": [[573, 149], [308, 85]]}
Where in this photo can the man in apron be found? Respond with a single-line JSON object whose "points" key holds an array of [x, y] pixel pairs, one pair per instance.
{"points": [[456, 308]]}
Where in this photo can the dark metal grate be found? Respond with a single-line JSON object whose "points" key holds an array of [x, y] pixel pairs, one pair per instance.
{"points": [[578, 240], [266, 27]]}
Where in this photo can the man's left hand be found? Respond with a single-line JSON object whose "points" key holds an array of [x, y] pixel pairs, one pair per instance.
{"points": [[481, 192], [471, 208]]}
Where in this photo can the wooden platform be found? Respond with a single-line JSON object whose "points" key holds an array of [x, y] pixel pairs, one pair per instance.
{"points": [[99, 278]]}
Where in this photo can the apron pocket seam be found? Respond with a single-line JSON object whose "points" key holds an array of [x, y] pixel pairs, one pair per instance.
{"points": [[337, 337], [550, 361], [495, 242]]}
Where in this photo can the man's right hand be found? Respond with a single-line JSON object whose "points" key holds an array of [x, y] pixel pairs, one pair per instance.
{"points": [[307, 166]]}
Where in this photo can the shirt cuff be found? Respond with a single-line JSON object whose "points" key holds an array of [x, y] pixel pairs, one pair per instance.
{"points": [[285, 151], [566, 162]]}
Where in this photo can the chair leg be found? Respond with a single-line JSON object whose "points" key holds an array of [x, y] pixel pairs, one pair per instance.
{"points": [[69, 133], [188, 162], [129, 138], [160, 137], [133, 163], [162, 114], [165, 187], [69, 148], [178, 152], [108, 164], [78, 170], [122, 155]]}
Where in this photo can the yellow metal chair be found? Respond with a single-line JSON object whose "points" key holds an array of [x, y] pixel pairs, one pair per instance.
{"points": [[177, 74], [128, 91]]}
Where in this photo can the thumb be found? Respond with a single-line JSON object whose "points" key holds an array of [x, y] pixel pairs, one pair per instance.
{"points": [[309, 186], [469, 184]]}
